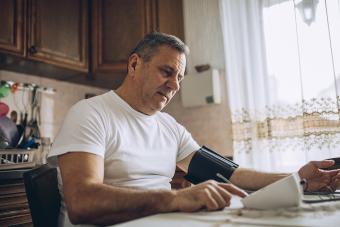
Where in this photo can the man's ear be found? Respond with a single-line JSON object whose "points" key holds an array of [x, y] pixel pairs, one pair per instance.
{"points": [[133, 61]]}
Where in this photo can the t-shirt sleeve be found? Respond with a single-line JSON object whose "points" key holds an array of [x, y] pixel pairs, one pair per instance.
{"points": [[187, 144], [83, 130]]}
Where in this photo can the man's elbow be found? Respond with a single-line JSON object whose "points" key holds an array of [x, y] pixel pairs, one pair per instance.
{"points": [[77, 212]]}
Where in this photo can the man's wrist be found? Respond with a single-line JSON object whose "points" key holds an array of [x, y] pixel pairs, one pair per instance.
{"points": [[304, 184], [170, 201]]}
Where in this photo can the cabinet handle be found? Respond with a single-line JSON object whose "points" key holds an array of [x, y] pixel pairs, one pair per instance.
{"points": [[33, 49]]}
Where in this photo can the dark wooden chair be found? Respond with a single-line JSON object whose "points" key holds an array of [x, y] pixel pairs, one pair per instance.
{"points": [[43, 195]]}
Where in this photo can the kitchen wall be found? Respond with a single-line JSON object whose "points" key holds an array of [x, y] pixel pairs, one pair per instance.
{"points": [[203, 33], [210, 125], [53, 106]]}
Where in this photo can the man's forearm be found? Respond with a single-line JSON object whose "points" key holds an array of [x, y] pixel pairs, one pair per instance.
{"points": [[253, 180], [89, 201], [115, 204]]}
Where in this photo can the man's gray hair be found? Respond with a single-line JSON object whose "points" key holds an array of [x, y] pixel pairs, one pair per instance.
{"points": [[149, 45]]}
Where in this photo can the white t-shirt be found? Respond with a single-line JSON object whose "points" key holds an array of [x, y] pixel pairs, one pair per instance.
{"points": [[138, 150]]}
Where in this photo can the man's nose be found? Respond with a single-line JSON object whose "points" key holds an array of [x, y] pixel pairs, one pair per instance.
{"points": [[173, 83]]}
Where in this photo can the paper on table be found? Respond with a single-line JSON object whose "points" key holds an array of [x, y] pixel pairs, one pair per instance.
{"points": [[286, 192], [303, 221]]}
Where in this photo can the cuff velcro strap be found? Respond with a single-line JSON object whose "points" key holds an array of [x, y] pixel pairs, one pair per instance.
{"points": [[208, 165]]}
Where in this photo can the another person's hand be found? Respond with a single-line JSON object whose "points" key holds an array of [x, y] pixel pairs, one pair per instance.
{"points": [[210, 195], [318, 179]]}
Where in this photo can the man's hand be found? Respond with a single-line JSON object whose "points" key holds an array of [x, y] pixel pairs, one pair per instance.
{"points": [[209, 195], [335, 184], [318, 179]]}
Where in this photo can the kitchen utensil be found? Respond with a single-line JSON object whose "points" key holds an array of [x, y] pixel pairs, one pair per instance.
{"points": [[9, 131], [14, 116], [22, 130], [4, 89], [4, 109], [14, 87], [35, 109], [3, 142]]}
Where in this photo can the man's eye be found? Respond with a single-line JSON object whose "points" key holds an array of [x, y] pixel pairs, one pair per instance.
{"points": [[166, 72]]}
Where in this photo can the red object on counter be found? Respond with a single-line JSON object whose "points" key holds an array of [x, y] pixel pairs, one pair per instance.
{"points": [[4, 109], [14, 87]]}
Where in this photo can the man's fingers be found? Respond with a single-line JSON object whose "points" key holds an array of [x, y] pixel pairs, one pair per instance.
{"points": [[233, 189], [225, 195], [214, 196], [336, 177], [217, 195], [335, 182], [323, 163], [207, 195], [210, 203], [332, 173]]}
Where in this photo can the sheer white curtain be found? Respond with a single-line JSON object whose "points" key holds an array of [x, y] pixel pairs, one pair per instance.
{"points": [[281, 79]]}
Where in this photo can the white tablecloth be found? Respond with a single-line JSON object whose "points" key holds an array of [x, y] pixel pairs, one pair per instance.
{"points": [[315, 215]]}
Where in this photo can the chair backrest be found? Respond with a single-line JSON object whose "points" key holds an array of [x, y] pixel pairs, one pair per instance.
{"points": [[43, 195]]}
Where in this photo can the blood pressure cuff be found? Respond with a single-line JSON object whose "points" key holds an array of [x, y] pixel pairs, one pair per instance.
{"points": [[208, 165]]}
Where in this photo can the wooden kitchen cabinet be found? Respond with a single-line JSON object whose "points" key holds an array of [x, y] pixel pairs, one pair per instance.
{"points": [[12, 26], [93, 38], [170, 17], [117, 26], [54, 32], [58, 33]]}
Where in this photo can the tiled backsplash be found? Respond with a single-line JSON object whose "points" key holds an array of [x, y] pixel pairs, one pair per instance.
{"points": [[53, 106]]}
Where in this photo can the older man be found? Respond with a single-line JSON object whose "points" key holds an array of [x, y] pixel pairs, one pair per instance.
{"points": [[116, 153]]}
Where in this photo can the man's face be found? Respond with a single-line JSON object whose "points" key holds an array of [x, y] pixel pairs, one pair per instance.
{"points": [[159, 78]]}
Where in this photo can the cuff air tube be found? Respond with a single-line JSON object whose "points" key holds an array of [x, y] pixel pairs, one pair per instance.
{"points": [[208, 165]]}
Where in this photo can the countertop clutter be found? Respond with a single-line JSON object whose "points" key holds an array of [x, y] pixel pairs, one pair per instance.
{"points": [[14, 209], [21, 130], [22, 147]]}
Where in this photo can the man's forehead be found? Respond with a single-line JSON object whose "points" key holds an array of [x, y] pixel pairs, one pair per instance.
{"points": [[178, 65], [170, 57], [168, 49]]}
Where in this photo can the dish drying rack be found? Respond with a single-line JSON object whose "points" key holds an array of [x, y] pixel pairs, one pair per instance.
{"points": [[17, 158]]}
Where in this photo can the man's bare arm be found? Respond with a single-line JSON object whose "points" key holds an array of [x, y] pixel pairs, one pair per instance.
{"points": [[89, 200], [244, 178], [312, 172], [250, 179], [184, 164]]}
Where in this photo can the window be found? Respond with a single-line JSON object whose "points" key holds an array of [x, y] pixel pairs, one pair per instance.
{"points": [[302, 40]]}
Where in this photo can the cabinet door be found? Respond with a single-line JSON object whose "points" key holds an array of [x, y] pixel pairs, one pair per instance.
{"points": [[12, 26], [58, 33], [117, 27], [170, 17]]}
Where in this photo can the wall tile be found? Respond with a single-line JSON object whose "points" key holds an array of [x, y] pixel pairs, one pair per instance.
{"points": [[54, 107]]}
